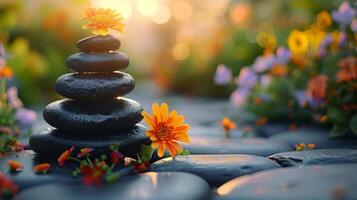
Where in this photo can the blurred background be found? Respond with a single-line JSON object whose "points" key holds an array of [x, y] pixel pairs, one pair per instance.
{"points": [[176, 44]]}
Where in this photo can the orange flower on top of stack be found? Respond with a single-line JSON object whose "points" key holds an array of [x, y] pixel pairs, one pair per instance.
{"points": [[167, 129], [317, 86], [102, 20]]}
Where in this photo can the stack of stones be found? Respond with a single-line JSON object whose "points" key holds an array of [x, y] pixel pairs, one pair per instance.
{"points": [[94, 114]]}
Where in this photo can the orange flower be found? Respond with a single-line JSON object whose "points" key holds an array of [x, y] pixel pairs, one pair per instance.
{"points": [[316, 87], [141, 167], [348, 71], [102, 20], [261, 121], [7, 186], [84, 152], [6, 72], [15, 165], [42, 168], [64, 156], [300, 147], [166, 129], [311, 146], [279, 70], [228, 125]]}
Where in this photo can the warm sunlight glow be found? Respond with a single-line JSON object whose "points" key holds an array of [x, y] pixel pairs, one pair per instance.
{"points": [[182, 10], [122, 6], [147, 7], [181, 51], [162, 15]]}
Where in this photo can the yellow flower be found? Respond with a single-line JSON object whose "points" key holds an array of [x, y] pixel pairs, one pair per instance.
{"points": [[324, 19], [298, 42], [167, 129], [300, 147], [102, 20]]}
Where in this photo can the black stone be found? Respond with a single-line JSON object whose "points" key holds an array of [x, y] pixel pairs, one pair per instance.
{"points": [[215, 169], [81, 116], [318, 182], [94, 86], [148, 186], [319, 137], [27, 177], [313, 157], [252, 146], [54, 141], [97, 62], [98, 43]]}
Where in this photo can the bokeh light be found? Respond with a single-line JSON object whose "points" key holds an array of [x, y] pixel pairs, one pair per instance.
{"points": [[147, 7], [181, 51], [162, 15], [182, 10]]}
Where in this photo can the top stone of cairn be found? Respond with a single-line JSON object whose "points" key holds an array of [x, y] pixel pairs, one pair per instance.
{"points": [[99, 43]]}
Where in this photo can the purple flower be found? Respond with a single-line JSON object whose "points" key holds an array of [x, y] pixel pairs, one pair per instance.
{"points": [[303, 99], [247, 78], [345, 14], [263, 63], [13, 99], [354, 25], [265, 80], [342, 39], [223, 75], [283, 56], [322, 51], [239, 96], [25, 116], [2, 55]]}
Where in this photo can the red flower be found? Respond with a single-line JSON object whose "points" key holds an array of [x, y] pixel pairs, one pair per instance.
{"points": [[93, 175], [116, 157], [317, 86], [15, 165], [84, 152], [42, 168], [7, 187], [64, 156], [141, 167]]}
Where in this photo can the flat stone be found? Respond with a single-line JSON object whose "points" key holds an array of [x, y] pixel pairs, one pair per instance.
{"points": [[148, 186], [313, 157], [252, 146], [81, 116], [318, 182], [99, 43], [271, 129], [54, 141], [319, 137], [215, 169], [94, 86], [98, 62], [27, 177]]}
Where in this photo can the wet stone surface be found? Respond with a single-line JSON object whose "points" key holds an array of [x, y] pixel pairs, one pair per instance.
{"points": [[54, 142], [215, 169], [318, 137], [97, 62], [318, 182], [94, 86], [27, 177], [98, 43], [312, 157], [148, 186], [252, 146], [80, 116]]}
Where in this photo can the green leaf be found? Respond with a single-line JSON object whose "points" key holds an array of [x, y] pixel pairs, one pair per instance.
{"points": [[184, 152], [336, 115], [339, 130], [353, 124], [146, 153]]}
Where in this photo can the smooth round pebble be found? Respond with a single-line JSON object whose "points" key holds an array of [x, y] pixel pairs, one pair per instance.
{"points": [[97, 62], [252, 146], [99, 43], [148, 186], [104, 116], [54, 141], [94, 86], [317, 182], [313, 157], [215, 169]]}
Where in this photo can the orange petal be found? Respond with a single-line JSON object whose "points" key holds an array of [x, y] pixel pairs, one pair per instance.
{"points": [[147, 118], [155, 144], [182, 138], [182, 128], [177, 147], [156, 111], [179, 119], [171, 149], [161, 150], [164, 110]]}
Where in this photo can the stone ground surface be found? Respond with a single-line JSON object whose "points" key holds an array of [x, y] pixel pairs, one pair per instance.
{"points": [[262, 165]]}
